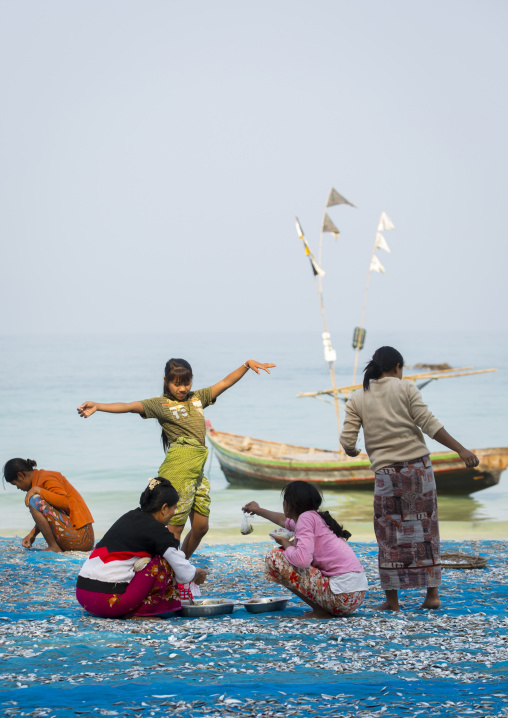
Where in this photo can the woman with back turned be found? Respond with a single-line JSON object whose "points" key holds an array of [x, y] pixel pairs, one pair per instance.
{"points": [[392, 412]]}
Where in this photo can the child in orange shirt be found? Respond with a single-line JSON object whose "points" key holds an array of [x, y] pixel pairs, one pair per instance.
{"points": [[59, 511]]}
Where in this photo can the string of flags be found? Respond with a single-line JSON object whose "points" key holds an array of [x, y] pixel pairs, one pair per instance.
{"points": [[385, 223], [328, 226], [380, 242], [334, 198]]}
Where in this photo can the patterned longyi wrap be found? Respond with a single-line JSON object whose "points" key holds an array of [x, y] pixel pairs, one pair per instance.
{"points": [[406, 525]]}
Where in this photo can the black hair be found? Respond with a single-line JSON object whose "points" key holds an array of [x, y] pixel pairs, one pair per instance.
{"points": [[176, 371], [383, 360], [153, 499], [300, 496], [14, 466]]}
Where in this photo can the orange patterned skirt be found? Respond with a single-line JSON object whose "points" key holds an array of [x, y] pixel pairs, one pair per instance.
{"points": [[66, 536], [311, 583]]}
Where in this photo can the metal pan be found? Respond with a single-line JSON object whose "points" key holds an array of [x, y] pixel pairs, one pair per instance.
{"points": [[263, 605], [205, 607]]}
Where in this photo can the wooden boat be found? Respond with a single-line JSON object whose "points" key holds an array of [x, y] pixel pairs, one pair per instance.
{"points": [[248, 462]]}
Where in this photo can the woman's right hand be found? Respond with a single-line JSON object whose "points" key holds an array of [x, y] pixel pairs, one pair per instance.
{"points": [[470, 459], [251, 508], [200, 576], [87, 409]]}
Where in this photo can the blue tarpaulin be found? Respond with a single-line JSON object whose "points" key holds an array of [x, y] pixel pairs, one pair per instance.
{"points": [[56, 660]]}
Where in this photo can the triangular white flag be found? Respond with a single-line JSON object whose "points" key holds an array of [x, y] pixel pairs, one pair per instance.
{"points": [[329, 226], [335, 198], [385, 223], [375, 265], [381, 243]]}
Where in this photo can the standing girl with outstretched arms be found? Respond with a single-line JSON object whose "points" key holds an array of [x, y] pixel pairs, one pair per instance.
{"points": [[179, 411]]}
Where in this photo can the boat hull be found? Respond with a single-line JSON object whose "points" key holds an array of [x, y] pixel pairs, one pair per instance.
{"points": [[327, 471]]}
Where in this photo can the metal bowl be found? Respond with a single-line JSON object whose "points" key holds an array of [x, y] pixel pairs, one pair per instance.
{"points": [[262, 605], [206, 607]]}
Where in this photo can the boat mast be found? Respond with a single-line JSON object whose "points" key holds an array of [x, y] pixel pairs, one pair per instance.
{"points": [[330, 354], [374, 266], [327, 225]]}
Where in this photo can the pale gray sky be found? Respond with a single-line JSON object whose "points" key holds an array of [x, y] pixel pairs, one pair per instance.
{"points": [[154, 156]]}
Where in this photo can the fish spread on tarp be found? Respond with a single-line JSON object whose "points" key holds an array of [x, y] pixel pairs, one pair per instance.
{"points": [[56, 660]]}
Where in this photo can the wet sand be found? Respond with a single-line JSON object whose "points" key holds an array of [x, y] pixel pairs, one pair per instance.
{"points": [[364, 532]]}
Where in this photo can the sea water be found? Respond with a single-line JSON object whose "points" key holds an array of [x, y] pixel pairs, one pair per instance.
{"points": [[109, 458]]}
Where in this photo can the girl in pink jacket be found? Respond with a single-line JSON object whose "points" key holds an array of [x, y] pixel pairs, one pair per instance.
{"points": [[318, 565]]}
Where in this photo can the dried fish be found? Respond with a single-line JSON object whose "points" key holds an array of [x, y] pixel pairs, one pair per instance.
{"points": [[433, 664]]}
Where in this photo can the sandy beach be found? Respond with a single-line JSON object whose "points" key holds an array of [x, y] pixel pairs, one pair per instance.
{"points": [[59, 661]]}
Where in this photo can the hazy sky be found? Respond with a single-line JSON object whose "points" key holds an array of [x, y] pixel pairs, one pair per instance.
{"points": [[154, 156]]}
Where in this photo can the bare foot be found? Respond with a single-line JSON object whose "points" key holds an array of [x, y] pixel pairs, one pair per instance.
{"points": [[144, 618], [431, 603], [387, 606], [314, 614], [57, 549]]}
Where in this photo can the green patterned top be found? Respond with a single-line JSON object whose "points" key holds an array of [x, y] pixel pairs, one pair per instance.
{"points": [[181, 418]]}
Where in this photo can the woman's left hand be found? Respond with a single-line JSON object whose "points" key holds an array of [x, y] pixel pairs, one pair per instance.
{"points": [[284, 542], [34, 490], [256, 366]]}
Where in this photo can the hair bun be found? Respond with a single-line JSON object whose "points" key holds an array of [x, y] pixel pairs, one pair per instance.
{"points": [[31, 463]]}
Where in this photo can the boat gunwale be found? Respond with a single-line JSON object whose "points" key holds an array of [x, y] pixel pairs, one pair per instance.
{"points": [[447, 457]]}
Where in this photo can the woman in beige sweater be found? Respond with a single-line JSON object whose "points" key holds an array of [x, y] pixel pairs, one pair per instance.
{"points": [[405, 504]]}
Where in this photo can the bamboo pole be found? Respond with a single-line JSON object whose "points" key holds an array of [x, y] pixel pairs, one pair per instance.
{"points": [[445, 374], [334, 391], [331, 365]]}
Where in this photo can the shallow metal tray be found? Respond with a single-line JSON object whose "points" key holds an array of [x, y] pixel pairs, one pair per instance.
{"points": [[262, 605], [217, 608]]}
